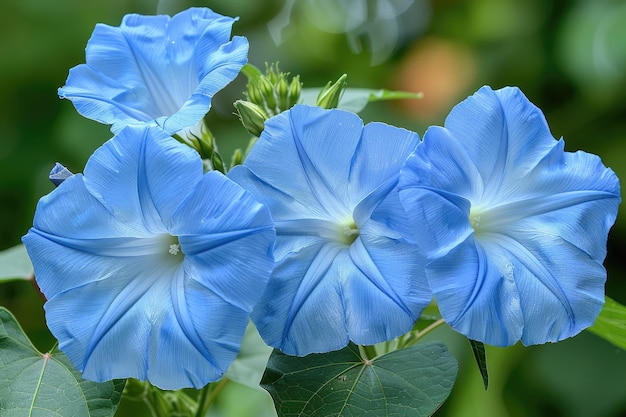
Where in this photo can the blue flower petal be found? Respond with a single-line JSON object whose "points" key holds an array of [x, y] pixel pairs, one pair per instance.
{"points": [[514, 228], [134, 323], [161, 170], [156, 69], [475, 297], [301, 310], [152, 277], [347, 267], [502, 134], [557, 299], [317, 171], [379, 298], [457, 175], [219, 227]]}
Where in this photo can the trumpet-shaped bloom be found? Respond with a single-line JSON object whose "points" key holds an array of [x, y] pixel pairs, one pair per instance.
{"points": [[150, 268], [156, 69], [514, 227], [346, 266]]}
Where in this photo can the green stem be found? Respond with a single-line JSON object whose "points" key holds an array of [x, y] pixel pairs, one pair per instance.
{"points": [[417, 335], [367, 352], [208, 396]]}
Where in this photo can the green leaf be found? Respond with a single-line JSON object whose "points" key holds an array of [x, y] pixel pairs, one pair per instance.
{"points": [[414, 381], [15, 264], [38, 385], [481, 360], [356, 99], [611, 323], [248, 367]]}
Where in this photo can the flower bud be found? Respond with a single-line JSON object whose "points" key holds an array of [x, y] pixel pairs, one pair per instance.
{"points": [[237, 158], [206, 142], [267, 89], [295, 88], [282, 92], [329, 97], [254, 93], [217, 163], [272, 72], [252, 117]]}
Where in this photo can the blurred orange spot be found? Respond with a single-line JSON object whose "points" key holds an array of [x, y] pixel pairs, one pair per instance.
{"points": [[442, 69]]}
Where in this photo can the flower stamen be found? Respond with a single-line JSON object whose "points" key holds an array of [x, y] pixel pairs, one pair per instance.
{"points": [[475, 219], [174, 248], [349, 231], [173, 245]]}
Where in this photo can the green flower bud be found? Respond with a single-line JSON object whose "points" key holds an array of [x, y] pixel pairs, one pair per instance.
{"points": [[271, 72], [295, 88], [218, 164], [282, 91], [237, 158], [267, 89], [254, 93], [329, 97], [252, 117], [206, 142]]}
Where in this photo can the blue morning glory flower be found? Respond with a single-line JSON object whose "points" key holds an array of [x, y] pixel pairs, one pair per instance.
{"points": [[514, 227], [346, 266], [156, 69], [150, 268]]}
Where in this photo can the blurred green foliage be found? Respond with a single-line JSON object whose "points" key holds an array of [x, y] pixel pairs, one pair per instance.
{"points": [[568, 56]]}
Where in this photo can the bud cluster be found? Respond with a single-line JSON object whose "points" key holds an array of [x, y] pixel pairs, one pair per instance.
{"points": [[268, 95], [202, 140]]}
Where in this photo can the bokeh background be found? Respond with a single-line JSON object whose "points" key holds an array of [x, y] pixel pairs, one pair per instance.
{"points": [[568, 56]]}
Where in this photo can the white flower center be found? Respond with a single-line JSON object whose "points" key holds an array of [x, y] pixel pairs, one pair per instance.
{"points": [[174, 246], [475, 218], [348, 231]]}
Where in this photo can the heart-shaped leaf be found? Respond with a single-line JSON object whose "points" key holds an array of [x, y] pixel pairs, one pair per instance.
{"points": [[414, 381], [39, 385]]}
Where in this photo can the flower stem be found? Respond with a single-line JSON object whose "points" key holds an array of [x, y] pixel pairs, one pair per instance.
{"points": [[208, 395], [415, 336], [368, 352]]}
